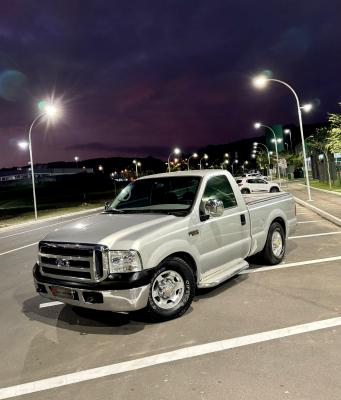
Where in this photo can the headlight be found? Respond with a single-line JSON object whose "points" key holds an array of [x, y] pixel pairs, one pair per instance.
{"points": [[124, 261]]}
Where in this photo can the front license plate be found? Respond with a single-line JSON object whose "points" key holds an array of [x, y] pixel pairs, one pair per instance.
{"points": [[62, 292]]}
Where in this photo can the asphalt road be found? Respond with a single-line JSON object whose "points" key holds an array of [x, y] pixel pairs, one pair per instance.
{"points": [[38, 342]]}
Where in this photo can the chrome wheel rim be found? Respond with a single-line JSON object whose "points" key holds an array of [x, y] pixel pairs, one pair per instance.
{"points": [[168, 289], [277, 243]]}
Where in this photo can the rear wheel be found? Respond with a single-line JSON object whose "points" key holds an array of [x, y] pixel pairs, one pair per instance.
{"points": [[245, 191], [274, 249], [274, 189], [172, 290]]}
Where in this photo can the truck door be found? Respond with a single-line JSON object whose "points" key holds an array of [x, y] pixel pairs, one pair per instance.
{"points": [[224, 240]]}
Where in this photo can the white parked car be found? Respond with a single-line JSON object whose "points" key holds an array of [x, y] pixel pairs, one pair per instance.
{"points": [[256, 184], [255, 175]]}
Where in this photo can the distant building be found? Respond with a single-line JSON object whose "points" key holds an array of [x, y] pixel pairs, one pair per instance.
{"points": [[41, 173]]}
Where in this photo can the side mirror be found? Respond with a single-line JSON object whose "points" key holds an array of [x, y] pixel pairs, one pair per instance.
{"points": [[107, 205], [214, 208]]}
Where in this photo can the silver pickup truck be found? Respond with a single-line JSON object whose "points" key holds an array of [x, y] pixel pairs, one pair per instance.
{"points": [[161, 238]]}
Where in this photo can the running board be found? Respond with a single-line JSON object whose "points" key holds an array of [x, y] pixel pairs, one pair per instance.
{"points": [[222, 275]]}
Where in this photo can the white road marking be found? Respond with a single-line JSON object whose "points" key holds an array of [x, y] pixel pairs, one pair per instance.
{"points": [[289, 265], [18, 248], [304, 213], [164, 358], [50, 304], [309, 222], [315, 234], [42, 227]]}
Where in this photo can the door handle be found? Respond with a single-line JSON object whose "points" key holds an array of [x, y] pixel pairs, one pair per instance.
{"points": [[242, 219]]}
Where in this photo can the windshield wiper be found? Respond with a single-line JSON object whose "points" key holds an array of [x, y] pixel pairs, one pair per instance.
{"points": [[114, 211]]}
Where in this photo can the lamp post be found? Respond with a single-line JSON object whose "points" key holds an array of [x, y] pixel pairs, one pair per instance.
{"points": [[234, 162], [204, 157], [257, 125], [194, 155], [255, 144], [50, 111], [76, 159], [136, 171], [225, 162], [260, 82], [176, 151], [288, 132]]}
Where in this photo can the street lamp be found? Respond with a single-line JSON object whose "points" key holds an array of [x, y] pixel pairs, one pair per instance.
{"points": [[204, 157], [260, 82], [257, 125], [23, 145], [194, 155], [234, 162], [288, 132], [267, 152], [76, 159], [225, 162], [51, 112], [136, 171], [176, 151]]}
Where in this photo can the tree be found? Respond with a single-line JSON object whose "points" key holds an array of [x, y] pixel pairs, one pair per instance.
{"points": [[334, 140], [296, 160], [320, 141]]}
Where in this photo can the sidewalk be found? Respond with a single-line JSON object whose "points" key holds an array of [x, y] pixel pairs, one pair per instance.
{"points": [[328, 205]]}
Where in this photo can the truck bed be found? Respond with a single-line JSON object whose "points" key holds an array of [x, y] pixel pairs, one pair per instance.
{"points": [[256, 198]]}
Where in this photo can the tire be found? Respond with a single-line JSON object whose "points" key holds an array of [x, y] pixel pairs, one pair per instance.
{"points": [[274, 189], [274, 249], [245, 191], [172, 301]]}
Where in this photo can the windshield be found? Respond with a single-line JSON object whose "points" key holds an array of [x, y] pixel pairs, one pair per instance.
{"points": [[169, 194]]}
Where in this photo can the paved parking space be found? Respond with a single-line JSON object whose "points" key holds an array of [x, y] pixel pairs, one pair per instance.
{"points": [[41, 343]]}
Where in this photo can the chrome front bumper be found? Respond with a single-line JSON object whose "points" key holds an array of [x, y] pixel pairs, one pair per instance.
{"points": [[112, 300]]}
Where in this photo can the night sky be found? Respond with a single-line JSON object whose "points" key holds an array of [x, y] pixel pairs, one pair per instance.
{"points": [[138, 77]]}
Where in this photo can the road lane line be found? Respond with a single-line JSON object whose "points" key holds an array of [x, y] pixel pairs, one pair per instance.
{"points": [[289, 265], [43, 227], [50, 304], [165, 358], [18, 248], [315, 234]]}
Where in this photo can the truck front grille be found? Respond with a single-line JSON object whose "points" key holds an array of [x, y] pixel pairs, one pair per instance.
{"points": [[72, 261]]}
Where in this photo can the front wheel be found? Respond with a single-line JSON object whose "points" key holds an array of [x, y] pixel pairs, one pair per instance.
{"points": [[274, 249], [172, 290], [245, 191], [274, 189]]}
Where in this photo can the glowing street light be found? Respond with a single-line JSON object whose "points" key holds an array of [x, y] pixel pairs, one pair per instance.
{"points": [[50, 111], [260, 82], [307, 107], [76, 160], [194, 155], [175, 151], [257, 125], [136, 170], [23, 145], [204, 157], [288, 132]]}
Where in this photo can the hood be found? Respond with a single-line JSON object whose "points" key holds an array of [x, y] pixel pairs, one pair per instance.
{"points": [[95, 229]]}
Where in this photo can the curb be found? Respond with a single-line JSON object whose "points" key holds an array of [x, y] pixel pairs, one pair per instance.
{"points": [[323, 214], [47, 219]]}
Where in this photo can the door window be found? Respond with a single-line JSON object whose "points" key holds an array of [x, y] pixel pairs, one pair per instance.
{"points": [[218, 187]]}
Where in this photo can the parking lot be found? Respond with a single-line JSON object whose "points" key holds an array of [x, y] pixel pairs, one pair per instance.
{"points": [[284, 322]]}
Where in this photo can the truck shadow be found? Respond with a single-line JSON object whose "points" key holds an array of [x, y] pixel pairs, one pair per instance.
{"points": [[214, 291], [85, 321]]}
